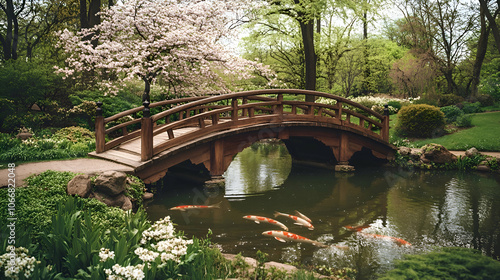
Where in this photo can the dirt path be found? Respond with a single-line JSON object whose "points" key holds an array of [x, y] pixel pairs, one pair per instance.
{"points": [[81, 165]]}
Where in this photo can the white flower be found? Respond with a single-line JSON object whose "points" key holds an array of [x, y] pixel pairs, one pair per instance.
{"points": [[128, 272], [105, 254], [146, 255], [17, 261]]}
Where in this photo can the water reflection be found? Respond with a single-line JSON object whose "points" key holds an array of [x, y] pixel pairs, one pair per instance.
{"points": [[426, 209], [257, 169]]}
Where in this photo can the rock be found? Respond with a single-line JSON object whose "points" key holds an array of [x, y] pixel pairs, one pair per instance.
{"points": [[80, 185], [472, 152], [437, 153], [24, 135], [111, 183], [120, 201], [344, 168], [404, 151], [147, 196], [415, 155]]}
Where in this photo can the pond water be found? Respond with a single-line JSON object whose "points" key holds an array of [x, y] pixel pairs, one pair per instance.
{"points": [[424, 208]]}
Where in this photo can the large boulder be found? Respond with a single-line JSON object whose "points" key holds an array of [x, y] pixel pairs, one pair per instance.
{"points": [[80, 185], [120, 201], [111, 183], [437, 153]]}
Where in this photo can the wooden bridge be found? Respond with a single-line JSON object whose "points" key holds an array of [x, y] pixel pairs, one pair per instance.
{"points": [[212, 130]]}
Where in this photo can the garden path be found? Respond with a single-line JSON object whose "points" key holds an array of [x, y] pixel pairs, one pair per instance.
{"points": [[80, 165]]}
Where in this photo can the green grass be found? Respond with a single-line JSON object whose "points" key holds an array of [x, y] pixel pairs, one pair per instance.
{"points": [[484, 135]]}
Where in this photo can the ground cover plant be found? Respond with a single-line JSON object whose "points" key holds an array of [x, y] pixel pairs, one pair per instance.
{"points": [[65, 143]]}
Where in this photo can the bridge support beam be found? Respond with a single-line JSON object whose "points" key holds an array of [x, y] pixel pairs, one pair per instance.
{"points": [[217, 166]]}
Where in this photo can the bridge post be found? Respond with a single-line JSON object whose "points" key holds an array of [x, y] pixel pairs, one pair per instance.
{"points": [[217, 158], [100, 131], [146, 133], [385, 124]]}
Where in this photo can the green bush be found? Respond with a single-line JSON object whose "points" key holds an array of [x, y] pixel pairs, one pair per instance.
{"points": [[451, 113], [485, 100], [470, 108], [464, 121], [74, 134], [7, 142], [449, 99], [446, 263], [420, 121]]}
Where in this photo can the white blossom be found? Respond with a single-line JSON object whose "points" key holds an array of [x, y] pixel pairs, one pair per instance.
{"points": [[17, 261], [119, 272], [105, 254]]}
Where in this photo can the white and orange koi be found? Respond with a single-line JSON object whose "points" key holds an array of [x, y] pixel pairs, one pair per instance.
{"points": [[259, 219], [284, 236], [356, 228], [193, 207], [399, 241], [298, 221], [303, 216]]}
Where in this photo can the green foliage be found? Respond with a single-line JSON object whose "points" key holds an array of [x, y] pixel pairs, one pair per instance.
{"points": [[470, 108], [451, 113], [112, 104], [420, 121], [66, 143], [468, 163], [450, 99], [446, 263], [464, 121]]}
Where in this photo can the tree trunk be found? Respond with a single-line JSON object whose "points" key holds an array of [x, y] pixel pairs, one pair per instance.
{"points": [[492, 20], [307, 30], [90, 18], [11, 39], [482, 47]]}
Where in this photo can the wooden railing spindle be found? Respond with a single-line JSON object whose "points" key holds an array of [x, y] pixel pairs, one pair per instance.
{"points": [[100, 131]]}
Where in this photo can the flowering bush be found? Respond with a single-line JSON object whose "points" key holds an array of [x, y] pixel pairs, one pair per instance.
{"points": [[376, 103]]}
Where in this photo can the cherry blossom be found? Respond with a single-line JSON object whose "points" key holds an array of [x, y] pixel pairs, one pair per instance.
{"points": [[183, 45]]}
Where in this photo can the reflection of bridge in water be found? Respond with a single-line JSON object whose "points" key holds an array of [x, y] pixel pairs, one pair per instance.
{"points": [[212, 130]]}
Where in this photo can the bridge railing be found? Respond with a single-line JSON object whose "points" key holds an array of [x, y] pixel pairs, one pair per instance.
{"points": [[200, 116], [231, 111], [128, 129]]}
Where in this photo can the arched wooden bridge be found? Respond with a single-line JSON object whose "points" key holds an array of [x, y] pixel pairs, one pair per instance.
{"points": [[212, 130]]}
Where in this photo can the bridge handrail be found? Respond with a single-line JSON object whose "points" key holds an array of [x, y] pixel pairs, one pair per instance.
{"points": [[248, 107], [101, 130]]}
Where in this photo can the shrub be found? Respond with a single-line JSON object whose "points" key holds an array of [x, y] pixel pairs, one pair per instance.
{"points": [[470, 108], [420, 121], [464, 121], [75, 134], [451, 113], [449, 99], [485, 100], [446, 263]]}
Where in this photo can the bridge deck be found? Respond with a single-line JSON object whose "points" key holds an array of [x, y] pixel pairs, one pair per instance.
{"points": [[129, 153]]}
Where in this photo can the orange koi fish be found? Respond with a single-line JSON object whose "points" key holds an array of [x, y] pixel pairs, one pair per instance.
{"points": [[356, 228], [284, 236], [303, 216], [193, 207], [259, 219], [399, 241], [298, 221]]}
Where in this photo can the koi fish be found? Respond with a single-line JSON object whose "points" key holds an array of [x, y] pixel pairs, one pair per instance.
{"points": [[356, 228], [398, 241], [283, 236], [303, 216], [192, 207], [298, 221], [259, 219]]}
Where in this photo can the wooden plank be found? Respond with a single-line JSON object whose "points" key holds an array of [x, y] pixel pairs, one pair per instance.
{"points": [[121, 157]]}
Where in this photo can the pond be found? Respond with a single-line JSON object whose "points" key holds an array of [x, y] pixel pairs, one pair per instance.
{"points": [[389, 206]]}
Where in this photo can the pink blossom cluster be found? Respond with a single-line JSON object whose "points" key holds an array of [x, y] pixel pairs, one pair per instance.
{"points": [[180, 43]]}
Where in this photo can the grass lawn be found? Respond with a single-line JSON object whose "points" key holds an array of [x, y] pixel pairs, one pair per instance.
{"points": [[484, 135]]}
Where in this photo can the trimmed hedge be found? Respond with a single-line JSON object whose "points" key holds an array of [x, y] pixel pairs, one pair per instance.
{"points": [[420, 120]]}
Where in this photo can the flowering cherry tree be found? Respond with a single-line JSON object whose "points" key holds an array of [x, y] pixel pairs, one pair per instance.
{"points": [[179, 42]]}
